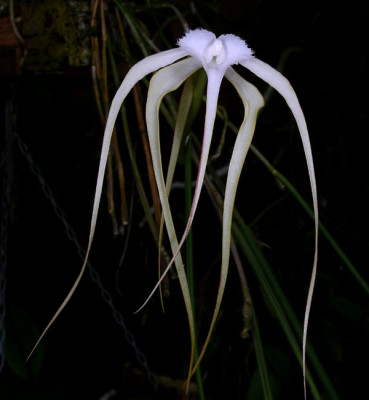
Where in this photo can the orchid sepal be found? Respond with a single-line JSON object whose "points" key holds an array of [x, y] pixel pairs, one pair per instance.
{"points": [[135, 74], [276, 80], [252, 101], [163, 82]]}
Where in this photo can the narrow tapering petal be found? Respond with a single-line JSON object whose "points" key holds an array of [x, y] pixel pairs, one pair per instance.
{"points": [[214, 81], [163, 82], [136, 73], [179, 130], [252, 101], [282, 85]]}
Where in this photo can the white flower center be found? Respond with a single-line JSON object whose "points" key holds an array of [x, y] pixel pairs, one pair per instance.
{"points": [[215, 53], [215, 50]]}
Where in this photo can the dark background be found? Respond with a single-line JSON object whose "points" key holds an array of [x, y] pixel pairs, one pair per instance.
{"points": [[85, 354]]}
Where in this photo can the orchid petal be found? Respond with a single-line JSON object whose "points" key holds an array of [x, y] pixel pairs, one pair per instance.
{"points": [[282, 85], [252, 101], [136, 73], [163, 82], [214, 81], [183, 110], [195, 42]]}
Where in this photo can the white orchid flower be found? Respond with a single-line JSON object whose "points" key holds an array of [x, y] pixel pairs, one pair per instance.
{"points": [[201, 49]]}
